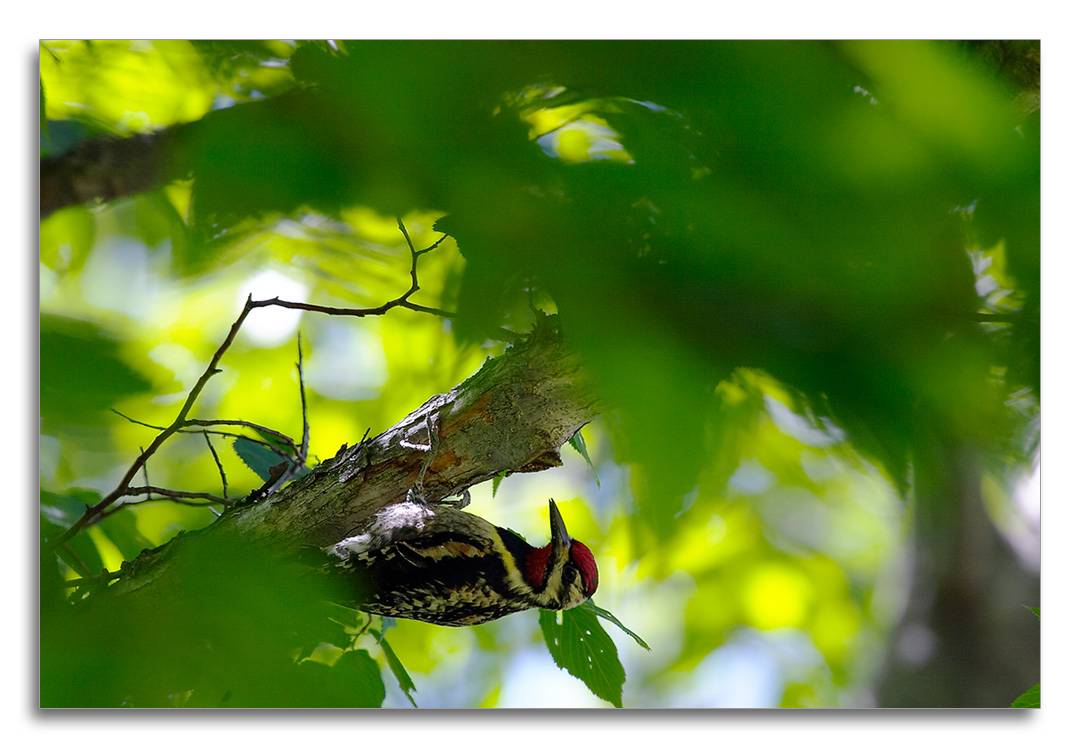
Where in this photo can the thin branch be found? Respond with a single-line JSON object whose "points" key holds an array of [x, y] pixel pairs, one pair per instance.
{"points": [[221, 470], [433, 246], [228, 434], [237, 422], [74, 561], [295, 466], [430, 310], [333, 311], [137, 422], [495, 333], [99, 579], [170, 493], [202, 422], [97, 511], [173, 493], [145, 471], [413, 257], [306, 430], [151, 499], [163, 435]]}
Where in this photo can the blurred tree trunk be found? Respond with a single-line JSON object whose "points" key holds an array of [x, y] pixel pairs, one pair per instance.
{"points": [[966, 639]]}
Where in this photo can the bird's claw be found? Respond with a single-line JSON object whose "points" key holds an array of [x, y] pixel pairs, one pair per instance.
{"points": [[462, 501]]}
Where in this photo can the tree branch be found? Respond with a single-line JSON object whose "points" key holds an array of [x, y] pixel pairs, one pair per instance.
{"points": [[96, 512], [221, 470], [97, 509], [516, 409], [170, 493], [113, 167], [305, 432], [109, 168]]}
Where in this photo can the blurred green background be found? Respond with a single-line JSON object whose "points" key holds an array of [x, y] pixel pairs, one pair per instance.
{"points": [[804, 275]]}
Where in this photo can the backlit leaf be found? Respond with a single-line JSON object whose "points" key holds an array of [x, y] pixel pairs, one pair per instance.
{"points": [[396, 667], [580, 646], [609, 616], [577, 441], [82, 373], [259, 457]]}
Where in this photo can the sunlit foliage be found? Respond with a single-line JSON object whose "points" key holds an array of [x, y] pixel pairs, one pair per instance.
{"points": [[799, 272]]}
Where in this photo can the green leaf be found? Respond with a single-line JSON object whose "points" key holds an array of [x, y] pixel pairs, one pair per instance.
{"points": [[366, 687], [82, 373], [398, 669], [1029, 699], [66, 238], [1034, 611], [259, 457], [352, 682], [121, 529], [580, 646], [609, 616], [156, 220], [577, 441], [61, 511], [495, 483]]}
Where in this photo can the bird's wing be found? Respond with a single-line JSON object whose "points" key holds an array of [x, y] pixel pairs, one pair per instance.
{"points": [[425, 550]]}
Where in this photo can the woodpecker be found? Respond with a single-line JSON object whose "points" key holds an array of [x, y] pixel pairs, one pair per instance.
{"points": [[438, 564]]}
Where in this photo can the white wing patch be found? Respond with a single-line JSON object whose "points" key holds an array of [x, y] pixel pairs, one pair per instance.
{"points": [[357, 545]]}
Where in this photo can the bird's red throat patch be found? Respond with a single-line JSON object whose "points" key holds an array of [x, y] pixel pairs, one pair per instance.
{"points": [[535, 566]]}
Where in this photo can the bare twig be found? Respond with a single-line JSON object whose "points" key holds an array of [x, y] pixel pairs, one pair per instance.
{"points": [[277, 435], [181, 423], [99, 579], [202, 422], [211, 369], [305, 433], [297, 465], [137, 422], [172, 494], [501, 334], [240, 437], [119, 507], [145, 472], [433, 246], [221, 470], [227, 422], [400, 301], [73, 560]]}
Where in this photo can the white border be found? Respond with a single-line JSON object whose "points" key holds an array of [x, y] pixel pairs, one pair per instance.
{"points": [[559, 19]]}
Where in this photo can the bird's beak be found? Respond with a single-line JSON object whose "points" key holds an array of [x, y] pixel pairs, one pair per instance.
{"points": [[560, 538]]}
